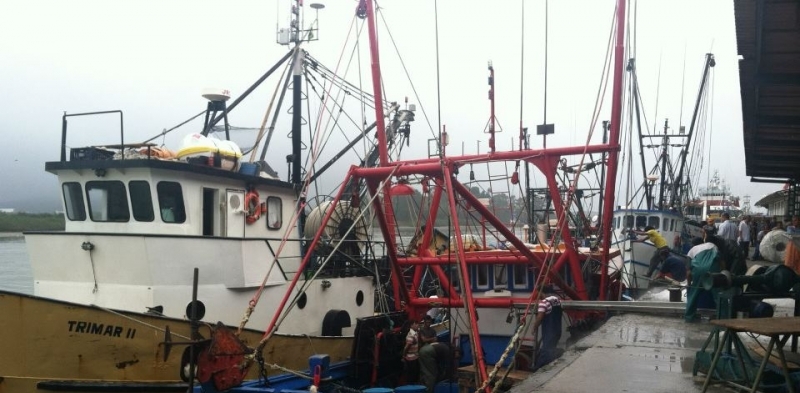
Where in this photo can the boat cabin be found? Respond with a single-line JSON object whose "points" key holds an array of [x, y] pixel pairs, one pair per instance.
{"points": [[154, 196]]}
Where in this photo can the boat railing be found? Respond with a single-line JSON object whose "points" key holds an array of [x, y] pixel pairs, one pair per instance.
{"points": [[64, 129]]}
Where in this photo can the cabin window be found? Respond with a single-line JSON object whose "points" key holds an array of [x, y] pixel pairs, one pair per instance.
{"points": [[141, 200], [628, 221], [482, 280], [654, 222], [666, 224], [672, 225], [453, 275], [73, 201], [500, 276], [641, 221], [108, 201], [170, 202], [520, 276], [274, 212]]}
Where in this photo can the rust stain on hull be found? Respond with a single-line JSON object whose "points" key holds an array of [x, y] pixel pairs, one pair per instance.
{"points": [[127, 363]]}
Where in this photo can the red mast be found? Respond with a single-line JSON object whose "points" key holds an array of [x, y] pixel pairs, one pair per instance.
{"points": [[613, 143], [383, 152], [376, 83]]}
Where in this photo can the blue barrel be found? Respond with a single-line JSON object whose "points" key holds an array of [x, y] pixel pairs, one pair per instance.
{"points": [[410, 389], [446, 387], [377, 390]]}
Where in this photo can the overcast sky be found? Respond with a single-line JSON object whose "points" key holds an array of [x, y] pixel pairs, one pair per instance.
{"points": [[151, 59]]}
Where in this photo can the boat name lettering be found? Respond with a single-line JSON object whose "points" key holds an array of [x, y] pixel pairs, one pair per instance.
{"points": [[100, 329]]}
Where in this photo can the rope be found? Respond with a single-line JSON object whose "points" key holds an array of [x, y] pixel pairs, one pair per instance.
{"points": [[267, 113]]}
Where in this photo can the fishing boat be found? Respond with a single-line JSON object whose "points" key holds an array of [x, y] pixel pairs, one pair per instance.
{"points": [[713, 200], [485, 277], [665, 186], [160, 242]]}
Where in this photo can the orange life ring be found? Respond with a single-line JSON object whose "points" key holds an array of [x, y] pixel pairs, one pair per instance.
{"points": [[253, 206]]}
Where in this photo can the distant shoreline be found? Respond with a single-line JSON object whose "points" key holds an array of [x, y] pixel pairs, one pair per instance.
{"points": [[10, 235]]}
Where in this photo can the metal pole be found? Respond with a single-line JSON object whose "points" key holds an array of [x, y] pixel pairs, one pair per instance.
{"points": [[613, 144]]}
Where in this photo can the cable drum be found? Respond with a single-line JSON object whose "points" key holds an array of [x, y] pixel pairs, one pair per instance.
{"points": [[773, 245], [337, 227]]}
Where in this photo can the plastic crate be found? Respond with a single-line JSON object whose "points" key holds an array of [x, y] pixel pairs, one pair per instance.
{"points": [[90, 154]]}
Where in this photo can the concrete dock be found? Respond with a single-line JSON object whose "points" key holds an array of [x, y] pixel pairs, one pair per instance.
{"points": [[628, 353]]}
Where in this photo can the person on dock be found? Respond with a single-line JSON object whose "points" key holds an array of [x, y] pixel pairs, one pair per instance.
{"points": [[548, 316], [704, 259], [427, 334], [732, 256], [765, 228], [411, 353], [662, 249], [791, 258], [727, 230], [710, 227], [435, 360], [744, 235], [674, 268]]}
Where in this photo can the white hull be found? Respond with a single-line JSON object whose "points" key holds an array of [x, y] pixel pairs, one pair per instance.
{"points": [[637, 255], [135, 272]]}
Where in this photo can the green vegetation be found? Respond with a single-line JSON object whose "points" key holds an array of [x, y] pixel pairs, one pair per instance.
{"points": [[20, 222]]}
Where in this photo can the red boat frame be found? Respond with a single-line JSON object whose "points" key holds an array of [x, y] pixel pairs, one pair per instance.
{"points": [[441, 171]]}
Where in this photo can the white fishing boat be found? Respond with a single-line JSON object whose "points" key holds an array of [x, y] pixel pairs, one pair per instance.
{"points": [[664, 187], [117, 289]]}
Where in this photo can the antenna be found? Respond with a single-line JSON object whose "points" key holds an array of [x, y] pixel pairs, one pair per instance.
{"points": [[297, 32]]}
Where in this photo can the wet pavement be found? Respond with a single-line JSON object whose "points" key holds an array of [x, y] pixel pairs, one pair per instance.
{"points": [[637, 353], [629, 353]]}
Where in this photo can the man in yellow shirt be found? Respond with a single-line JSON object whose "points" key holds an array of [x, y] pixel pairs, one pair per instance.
{"points": [[662, 249]]}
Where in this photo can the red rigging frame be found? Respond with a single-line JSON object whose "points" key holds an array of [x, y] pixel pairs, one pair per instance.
{"points": [[440, 172]]}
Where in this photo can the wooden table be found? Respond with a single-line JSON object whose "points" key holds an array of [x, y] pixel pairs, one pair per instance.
{"points": [[778, 329]]}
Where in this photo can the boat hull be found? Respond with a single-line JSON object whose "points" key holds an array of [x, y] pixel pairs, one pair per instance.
{"points": [[158, 272], [54, 345]]}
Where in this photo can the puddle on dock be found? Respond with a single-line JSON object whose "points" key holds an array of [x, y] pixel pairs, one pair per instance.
{"points": [[635, 333]]}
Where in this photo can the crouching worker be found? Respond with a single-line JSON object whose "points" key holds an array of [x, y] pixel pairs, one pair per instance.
{"points": [[705, 260], [548, 316], [434, 364], [674, 268]]}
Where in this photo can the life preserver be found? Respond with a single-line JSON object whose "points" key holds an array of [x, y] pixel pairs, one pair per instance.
{"points": [[253, 206]]}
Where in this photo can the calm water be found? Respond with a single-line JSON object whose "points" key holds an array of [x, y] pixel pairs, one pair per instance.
{"points": [[15, 270]]}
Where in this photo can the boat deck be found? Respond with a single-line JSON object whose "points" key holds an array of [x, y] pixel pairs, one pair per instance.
{"points": [[629, 353]]}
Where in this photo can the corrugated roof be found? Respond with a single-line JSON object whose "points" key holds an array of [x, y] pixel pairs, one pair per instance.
{"points": [[768, 39]]}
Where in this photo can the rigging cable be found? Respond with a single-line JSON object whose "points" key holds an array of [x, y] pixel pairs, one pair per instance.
{"points": [[536, 294], [683, 85], [254, 149], [165, 132], [438, 85], [546, 29], [658, 92], [408, 76]]}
